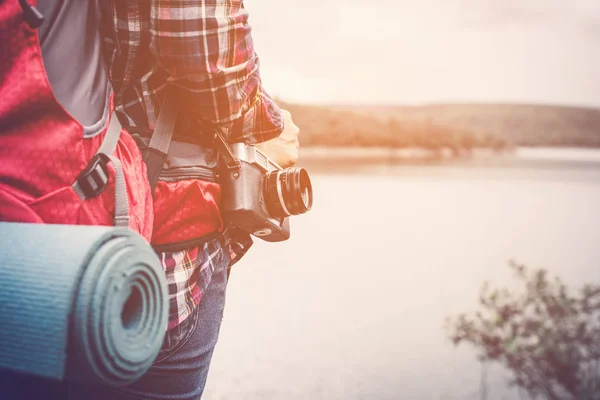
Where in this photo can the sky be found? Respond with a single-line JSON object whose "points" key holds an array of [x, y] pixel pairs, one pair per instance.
{"points": [[429, 51]]}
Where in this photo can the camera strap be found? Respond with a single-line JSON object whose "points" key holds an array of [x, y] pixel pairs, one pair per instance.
{"points": [[158, 148], [160, 142], [225, 152]]}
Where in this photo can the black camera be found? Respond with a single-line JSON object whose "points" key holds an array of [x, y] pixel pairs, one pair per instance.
{"points": [[259, 196]]}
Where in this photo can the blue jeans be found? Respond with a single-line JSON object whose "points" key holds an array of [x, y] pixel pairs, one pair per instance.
{"points": [[178, 373]]}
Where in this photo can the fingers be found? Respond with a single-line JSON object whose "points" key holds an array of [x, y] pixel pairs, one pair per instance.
{"points": [[292, 159], [284, 149], [290, 129], [293, 131], [286, 114], [289, 124]]}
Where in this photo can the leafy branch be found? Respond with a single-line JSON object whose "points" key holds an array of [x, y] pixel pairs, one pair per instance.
{"points": [[548, 338]]}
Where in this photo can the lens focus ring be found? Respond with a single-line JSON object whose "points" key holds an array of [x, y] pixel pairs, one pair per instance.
{"points": [[288, 192]]}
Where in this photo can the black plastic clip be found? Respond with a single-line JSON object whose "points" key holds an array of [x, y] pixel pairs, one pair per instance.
{"points": [[31, 15], [93, 179], [231, 161]]}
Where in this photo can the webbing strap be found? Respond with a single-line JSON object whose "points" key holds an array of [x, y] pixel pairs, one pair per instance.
{"points": [[230, 160], [158, 148], [109, 144], [121, 200], [106, 149]]}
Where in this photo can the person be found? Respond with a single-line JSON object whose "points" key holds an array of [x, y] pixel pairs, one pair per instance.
{"points": [[205, 49]]}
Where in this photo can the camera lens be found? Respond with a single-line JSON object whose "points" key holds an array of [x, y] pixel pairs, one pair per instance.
{"points": [[288, 192]]}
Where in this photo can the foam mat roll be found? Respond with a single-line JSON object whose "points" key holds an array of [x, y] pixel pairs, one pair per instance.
{"points": [[79, 303]]}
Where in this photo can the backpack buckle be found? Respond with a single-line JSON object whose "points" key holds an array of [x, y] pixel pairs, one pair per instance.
{"points": [[93, 179]]}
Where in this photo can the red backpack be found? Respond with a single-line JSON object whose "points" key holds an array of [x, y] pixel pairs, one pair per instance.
{"points": [[50, 171]]}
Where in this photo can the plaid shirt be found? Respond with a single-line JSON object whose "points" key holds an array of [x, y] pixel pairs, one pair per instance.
{"points": [[202, 46], [205, 48], [189, 271]]}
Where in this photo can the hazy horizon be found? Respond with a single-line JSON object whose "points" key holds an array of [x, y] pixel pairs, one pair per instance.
{"points": [[417, 53], [436, 104]]}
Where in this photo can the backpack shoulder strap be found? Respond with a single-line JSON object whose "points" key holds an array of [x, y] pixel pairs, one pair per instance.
{"points": [[93, 179]]}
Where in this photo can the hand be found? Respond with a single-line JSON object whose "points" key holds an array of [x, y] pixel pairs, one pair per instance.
{"points": [[284, 148]]}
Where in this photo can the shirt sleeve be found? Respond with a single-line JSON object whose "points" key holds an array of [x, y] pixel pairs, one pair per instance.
{"points": [[205, 47]]}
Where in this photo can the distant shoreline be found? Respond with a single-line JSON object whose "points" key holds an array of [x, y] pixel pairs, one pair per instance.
{"points": [[351, 157], [456, 127]]}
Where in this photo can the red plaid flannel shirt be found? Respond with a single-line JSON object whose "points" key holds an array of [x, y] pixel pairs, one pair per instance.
{"points": [[189, 271], [205, 47]]}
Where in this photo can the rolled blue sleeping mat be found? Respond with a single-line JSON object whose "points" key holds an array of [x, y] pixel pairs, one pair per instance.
{"points": [[80, 303]]}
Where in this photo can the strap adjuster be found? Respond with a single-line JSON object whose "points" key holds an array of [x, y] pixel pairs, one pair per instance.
{"points": [[93, 179]]}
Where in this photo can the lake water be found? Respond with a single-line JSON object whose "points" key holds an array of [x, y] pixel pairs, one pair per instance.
{"points": [[353, 306]]}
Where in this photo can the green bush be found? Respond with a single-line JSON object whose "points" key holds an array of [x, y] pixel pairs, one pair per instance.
{"points": [[548, 338]]}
